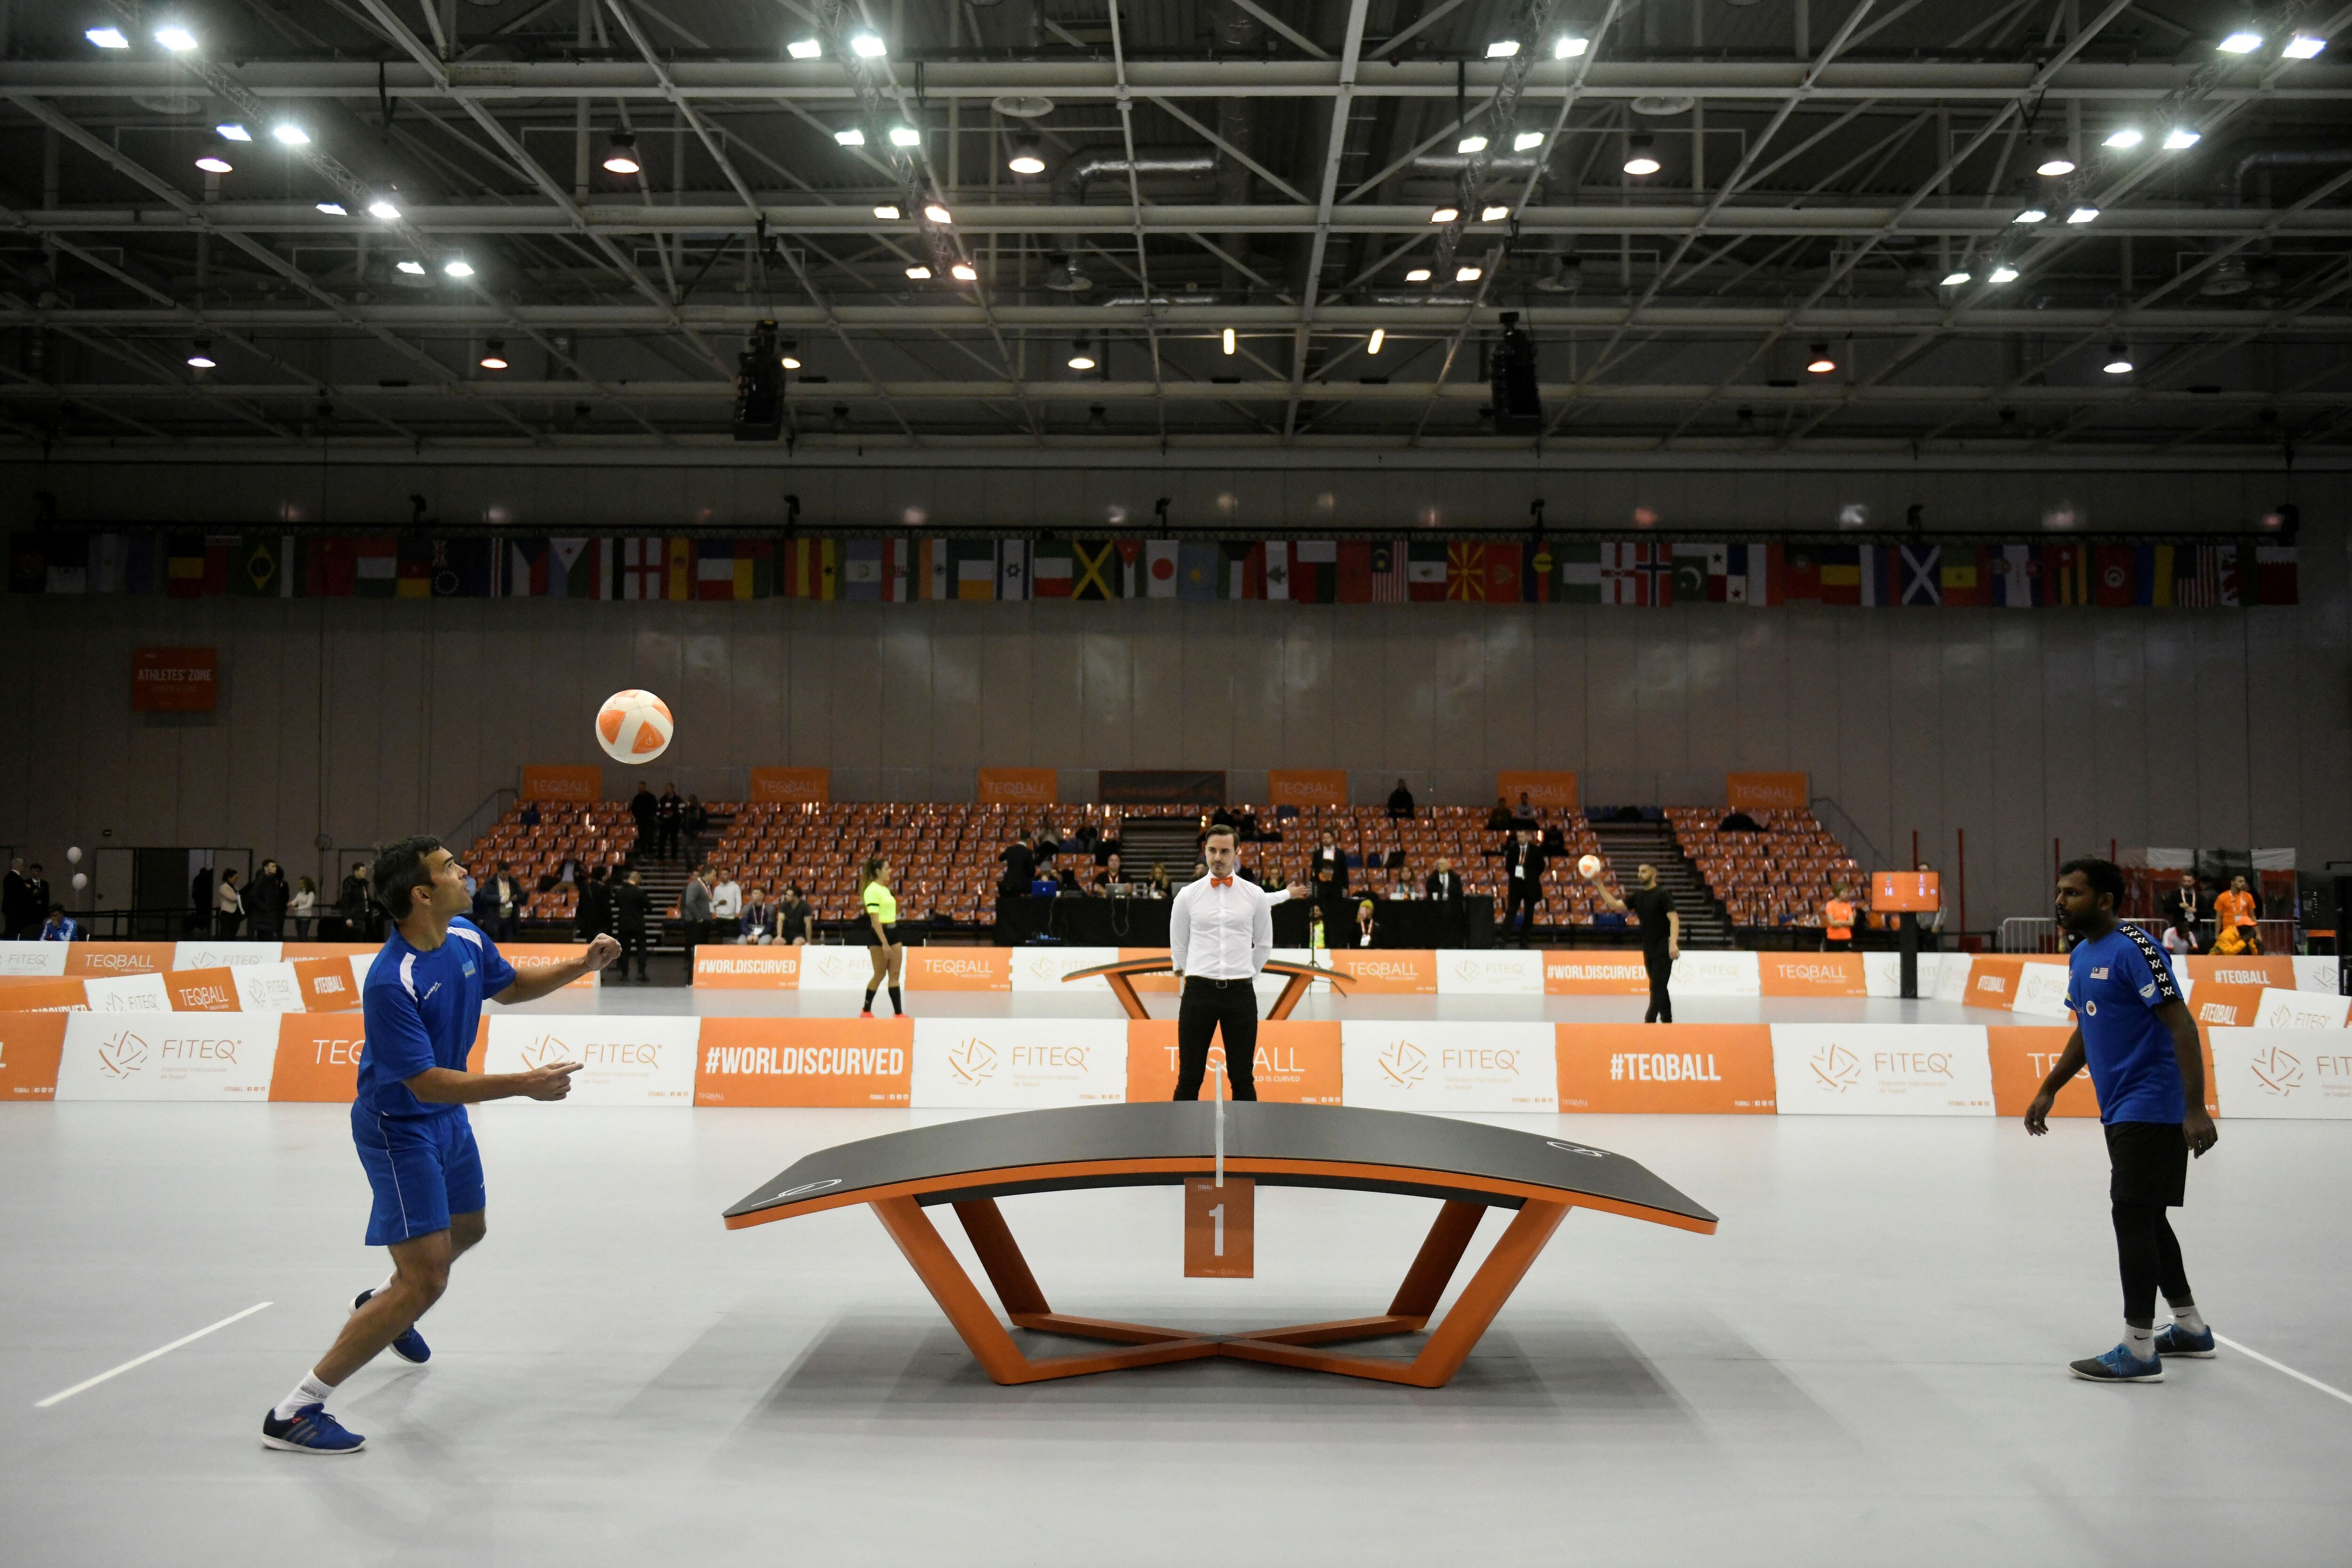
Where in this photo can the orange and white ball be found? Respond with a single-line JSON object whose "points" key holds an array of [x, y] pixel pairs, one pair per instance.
{"points": [[1588, 866], [634, 726]]}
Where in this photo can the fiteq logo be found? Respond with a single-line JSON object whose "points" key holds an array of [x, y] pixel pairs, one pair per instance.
{"points": [[1836, 1068], [123, 1055], [1405, 1063], [1927, 1064], [645, 1054], [2277, 1071], [973, 1060]]}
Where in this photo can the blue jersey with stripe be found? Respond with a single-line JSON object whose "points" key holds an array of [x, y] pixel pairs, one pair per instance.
{"points": [[422, 1010], [2113, 984]]}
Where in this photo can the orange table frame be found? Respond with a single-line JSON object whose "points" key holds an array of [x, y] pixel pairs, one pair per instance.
{"points": [[1539, 1214], [1120, 978]]}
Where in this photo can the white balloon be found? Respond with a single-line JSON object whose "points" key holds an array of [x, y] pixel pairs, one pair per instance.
{"points": [[73, 856], [81, 881]]}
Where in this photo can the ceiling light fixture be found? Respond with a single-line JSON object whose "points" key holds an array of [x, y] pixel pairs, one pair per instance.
{"points": [[230, 130], [905, 136], [200, 354], [2243, 41], [2125, 138], [1640, 160], [1081, 355], [1027, 156], [1494, 214], [494, 354], [1380, 336], [175, 37], [937, 213], [1570, 46], [1820, 363], [789, 363], [457, 267], [621, 154], [108, 37], [289, 133], [2304, 46], [1953, 280], [1231, 342], [849, 136], [2056, 162], [888, 213], [1502, 49], [919, 273], [2082, 215], [2119, 359], [867, 46], [1418, 275], [963, 272], [2003, 273], [1526, 141], [1445, 215], [2032, 214], [214, 160], [383, 207], [333, 209], [2180, 138], [805, 49], [415, 269], [1472, 143], [1468, 274]]}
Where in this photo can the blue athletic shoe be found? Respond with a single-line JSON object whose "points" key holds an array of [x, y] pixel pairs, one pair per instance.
{"points": [[2173, 1340], [2119, 1365], [411, 1345], [312, 1431]]}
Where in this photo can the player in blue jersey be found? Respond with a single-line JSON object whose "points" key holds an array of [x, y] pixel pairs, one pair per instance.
{"points": [[422, 1000], [2135, 1033]]}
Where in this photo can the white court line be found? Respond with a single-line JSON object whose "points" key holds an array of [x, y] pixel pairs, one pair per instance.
{"points": [[200, 1333], [2281, 1366]]}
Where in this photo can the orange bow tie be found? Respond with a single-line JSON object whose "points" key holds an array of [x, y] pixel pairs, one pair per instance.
{"points": [[1221, 881]]}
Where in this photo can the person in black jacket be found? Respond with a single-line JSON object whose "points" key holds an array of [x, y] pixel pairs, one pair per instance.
{"points": [[669, 816], [17, 900], [1443, 888], [358, 909], [200, 903], [1020, 858], [1522, 869], [594, 916], [266, 901], [1400, 801], [631, 905], [646, 811], [1326, 879]]}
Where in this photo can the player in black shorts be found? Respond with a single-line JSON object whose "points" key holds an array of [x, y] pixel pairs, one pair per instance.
{"points": [[2135, 1033]]}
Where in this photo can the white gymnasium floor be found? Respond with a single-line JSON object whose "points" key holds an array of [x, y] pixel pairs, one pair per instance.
{"points": [[1864, 1366]]}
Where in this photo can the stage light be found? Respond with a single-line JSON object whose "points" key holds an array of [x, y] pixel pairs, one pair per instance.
{"points": [[1081, 355], [175, 37], [805, 49], [289, 133], [1526, 141], [2180, 138], [1954, 280], [333, 209], [2244, 41], [962, 272], [1502, 49], [1468, 274], [2304, 46], [1230, 342], [2125, 138], [1473, 144], [1494, 214], [905, 136], [108, 37], [867, 46], [1380, 336], [1028, 156], [200, 354], [1445, 215], [2032, 215], [937, 213], [2119, 361], [2056, 162], [888, 213], [1640, 161], [850, 136], [457, 267], [2003, 273], [383, 208], [2082, 215], [413, 268], [1570, 46], [621, 154], [230, 130], [1418, 275], [1821, 363], [920, 274], [494, 354], [214, 160]]}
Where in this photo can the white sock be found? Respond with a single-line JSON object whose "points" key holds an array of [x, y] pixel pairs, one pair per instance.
{"points": [[2141, 1341], [2191, 1319], [309, 1391], [389, 1281]]}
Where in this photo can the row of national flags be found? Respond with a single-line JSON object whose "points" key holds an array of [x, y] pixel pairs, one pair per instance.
{"points": [[1650, 573]]}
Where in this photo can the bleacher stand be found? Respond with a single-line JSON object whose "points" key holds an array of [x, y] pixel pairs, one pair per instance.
{"points": [[1780, 876], [591, 833]]}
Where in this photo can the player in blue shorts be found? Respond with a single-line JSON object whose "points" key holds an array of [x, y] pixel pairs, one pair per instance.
{"points": [[423, 1000], [2135, 1032]]}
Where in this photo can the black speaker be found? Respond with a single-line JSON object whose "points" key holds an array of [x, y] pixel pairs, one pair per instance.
{"points": [[760, 386], [1518, 397]]}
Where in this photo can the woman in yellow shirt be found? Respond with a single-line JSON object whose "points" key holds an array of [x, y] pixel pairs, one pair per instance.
{"points": [[879, 932]]}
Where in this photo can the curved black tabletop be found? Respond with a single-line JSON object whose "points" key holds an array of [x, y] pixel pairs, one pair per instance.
{"points": [[1161, 1142]]}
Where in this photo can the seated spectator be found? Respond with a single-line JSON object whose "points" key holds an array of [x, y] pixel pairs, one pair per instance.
{"points": [[1499, 819], [1367, 925], [1554, 841], [795, 920], [1400, 801], [1158, 887], [755, 924], [1739, 822], [1112, 875], [60, 927], [1069, 880], [529, 817]]}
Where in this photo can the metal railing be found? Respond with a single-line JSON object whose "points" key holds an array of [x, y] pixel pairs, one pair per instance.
{"points": [[2021, 933], [1850, 834]]}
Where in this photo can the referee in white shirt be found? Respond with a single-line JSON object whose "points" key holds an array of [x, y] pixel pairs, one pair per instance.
{"points": [[1220, 931]]}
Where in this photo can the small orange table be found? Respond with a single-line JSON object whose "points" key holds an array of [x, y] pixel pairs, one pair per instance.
{"points": [[1120, 977]]}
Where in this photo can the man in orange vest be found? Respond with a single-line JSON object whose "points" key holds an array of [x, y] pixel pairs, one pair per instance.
{"points": [[2235, 910], [1837, 921]]}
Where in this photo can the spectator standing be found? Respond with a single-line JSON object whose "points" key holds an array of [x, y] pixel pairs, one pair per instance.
{"points": [[693, 913], [2181, 906], [1400, 801], [302, 909], [646, 811], [669, 816], [497, 904], [1327, 877], [60, 926], [631, 905], [725, 896], [266, 901], [41, 896], [2235, 910], [228, 907], [200, 903], [593, 917], [1523, 870], [1368, 931], [1020, 858], [1444, 888], [16, 905], [697, 816], [1837, 921]]}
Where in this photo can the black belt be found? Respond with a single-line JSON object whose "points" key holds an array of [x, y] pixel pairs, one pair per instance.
{"points": [[1207, 979]]}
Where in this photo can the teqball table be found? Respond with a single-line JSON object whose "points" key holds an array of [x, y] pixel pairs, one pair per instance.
{"points": [[1121, 976], [1470, 1166]]}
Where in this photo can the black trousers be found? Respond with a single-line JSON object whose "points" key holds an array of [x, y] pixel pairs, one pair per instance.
{"points": [[1520, 912], [1662, 1005], [633, 941], [1208, 1007], [2148, 1256]]}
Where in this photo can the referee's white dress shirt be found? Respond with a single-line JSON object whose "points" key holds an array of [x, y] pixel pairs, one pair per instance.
{"points": [[1222, 927]]}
